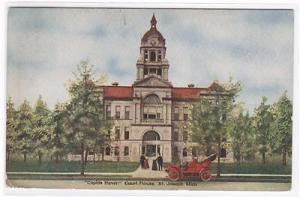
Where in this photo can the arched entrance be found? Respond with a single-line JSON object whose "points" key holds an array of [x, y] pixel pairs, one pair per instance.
{"points": [[150, 144]]}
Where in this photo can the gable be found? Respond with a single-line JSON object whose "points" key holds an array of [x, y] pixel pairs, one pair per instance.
{"points": [[152, 81]]}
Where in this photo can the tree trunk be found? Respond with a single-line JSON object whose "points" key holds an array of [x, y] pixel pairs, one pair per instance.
{"points": [[264, 157], [82, 159], [284, 156], [25, 157], [208, 150], [86, 156], [51, 158], [94, 157], [219, 160], [40, 158], [102, 154], [7, 156], [238, 160]]}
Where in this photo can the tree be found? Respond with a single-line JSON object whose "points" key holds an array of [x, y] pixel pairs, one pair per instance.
{"points": [[282, 126], [11, 116], [210, 115], [87, 124], [58, 137], [242, 136], [24, 128], [262, 124], [42, 127]]}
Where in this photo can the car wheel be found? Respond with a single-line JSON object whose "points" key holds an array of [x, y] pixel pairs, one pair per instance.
{"points": [[205, 175], [173, 175]]}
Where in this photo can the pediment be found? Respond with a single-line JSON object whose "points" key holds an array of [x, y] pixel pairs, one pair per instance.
{"points": [[152, 81]]}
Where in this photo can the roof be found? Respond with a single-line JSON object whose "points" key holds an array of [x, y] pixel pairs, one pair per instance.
{"points": [[178, 93], [118, 92], [126, 92], [153, 31], [183, 94]]}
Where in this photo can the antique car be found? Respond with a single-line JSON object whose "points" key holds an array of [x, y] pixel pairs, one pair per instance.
{"points": [[193, 169]]}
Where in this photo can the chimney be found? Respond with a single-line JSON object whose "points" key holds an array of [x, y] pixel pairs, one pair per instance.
{"points": [[191, 85], [115, 84]]}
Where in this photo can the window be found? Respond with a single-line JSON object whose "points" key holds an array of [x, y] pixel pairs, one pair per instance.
{"points": [[126, 150], [126, 134], [152, 56], [118, 109], [145, 116], [117, 133], [151, 136], [159, 56], [159, 71], [108, 112], [175, 137], [152, 70], [151, 116], [145, 71], [185, 135], [176, 113], [127, 112], [158, 115], [107, 150], [117, 151], [184, 152], [146, 55], [185, 114], [152, 99]]}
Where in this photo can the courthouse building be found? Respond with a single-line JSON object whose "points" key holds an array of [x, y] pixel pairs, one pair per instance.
{"points": [[147, 115]]}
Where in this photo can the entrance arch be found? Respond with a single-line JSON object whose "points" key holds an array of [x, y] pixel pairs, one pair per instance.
{"points": [[150, 144]]}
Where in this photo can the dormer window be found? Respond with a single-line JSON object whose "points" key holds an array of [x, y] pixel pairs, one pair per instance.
{"points": [[152, 56]]}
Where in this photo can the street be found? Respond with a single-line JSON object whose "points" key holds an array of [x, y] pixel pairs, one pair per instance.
{"points": [[140, 184]]}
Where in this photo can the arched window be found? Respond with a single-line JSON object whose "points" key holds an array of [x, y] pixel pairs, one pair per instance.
{"points": [[152, 56], [107, 150], [151, 136], [152, 99]]}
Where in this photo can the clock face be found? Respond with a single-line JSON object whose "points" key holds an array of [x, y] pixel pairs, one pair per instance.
{"points": [[153, 42]]}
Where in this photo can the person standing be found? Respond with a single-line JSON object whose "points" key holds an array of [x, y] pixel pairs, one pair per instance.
{"points": [[160, 162], [142, 160]]}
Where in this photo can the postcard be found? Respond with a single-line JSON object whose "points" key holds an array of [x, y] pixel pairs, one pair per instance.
{"points": [[149, 99]]}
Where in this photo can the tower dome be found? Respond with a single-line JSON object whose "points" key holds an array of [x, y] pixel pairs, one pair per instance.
{"points": [[153, 37]]}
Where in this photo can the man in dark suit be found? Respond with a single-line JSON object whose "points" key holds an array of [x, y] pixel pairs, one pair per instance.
{"points": [[160, 162]]}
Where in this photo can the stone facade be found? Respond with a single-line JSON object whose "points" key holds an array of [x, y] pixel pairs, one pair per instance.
{"points": [[147, 115]]}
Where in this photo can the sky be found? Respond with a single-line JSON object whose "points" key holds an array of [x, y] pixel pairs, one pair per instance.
{"points": [[255, 47]]}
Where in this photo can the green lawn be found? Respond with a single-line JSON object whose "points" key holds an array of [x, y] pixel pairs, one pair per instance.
{"points": [[252, 168], [73, 166], [108, 166]]}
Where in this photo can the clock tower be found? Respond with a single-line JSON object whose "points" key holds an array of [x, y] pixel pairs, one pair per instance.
{"points": [[152, 61]]}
